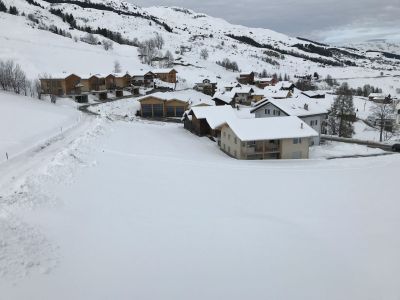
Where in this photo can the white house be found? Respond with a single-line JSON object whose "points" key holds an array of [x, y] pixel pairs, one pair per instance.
{"points": [[266, 138], [311, 111]]}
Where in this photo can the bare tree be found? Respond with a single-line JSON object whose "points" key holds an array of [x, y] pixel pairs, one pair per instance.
{"points": [[169, 59], [159, 41], [37, 86], [383, 114], [204, 53], [148, 51]]}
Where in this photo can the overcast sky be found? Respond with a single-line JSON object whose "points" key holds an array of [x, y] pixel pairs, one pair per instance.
{"points": [[333, 21]]}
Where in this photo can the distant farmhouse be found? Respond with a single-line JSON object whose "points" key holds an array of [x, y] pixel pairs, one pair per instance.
{"points": [[167, 75], [206, 87], [143, 79], [246, 78]]}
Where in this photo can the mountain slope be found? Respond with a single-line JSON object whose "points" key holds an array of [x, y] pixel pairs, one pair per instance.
{"points": [[29, 41]]}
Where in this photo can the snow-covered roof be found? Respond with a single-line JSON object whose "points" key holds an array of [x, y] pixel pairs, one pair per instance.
{"points": [[162, 71], [377, 95], [226, 97], [190, 96], [311, 94], [119, 74], [296, 107], [140, 73], [242, 90], [270, 128], [215, 115], [265, 79], [276, 94]]}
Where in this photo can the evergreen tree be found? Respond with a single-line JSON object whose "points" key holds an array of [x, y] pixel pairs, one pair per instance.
{"points": [[340, 120], [13, 10], [3, 8]]}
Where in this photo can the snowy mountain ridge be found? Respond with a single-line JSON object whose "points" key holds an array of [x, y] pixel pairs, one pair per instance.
{"points": [[184, 31]]}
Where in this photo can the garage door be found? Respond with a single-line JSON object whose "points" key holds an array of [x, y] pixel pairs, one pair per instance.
{"points": [[179, 111], [147, 110], [170, 111], [158, 110]]}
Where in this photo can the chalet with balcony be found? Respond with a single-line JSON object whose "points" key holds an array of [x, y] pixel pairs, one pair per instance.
{"points": [[246, 78], [264, 82], [117, 81], [143, 79], [167, 75], [62, 85], [266, 138], [206, 87], [93, 82]]}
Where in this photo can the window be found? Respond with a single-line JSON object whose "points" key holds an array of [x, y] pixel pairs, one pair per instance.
{"points": [[235, 140], [297, 141], [229, 136], [229, 149], [223, 145], [267, 111], [224, 134], [243, 144]]}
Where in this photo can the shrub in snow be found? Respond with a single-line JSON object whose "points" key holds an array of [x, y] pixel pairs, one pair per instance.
{"points": [[90, 39], [107, 45]]}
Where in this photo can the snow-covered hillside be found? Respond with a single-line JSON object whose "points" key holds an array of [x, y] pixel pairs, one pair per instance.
{"points": [[185, 33]]}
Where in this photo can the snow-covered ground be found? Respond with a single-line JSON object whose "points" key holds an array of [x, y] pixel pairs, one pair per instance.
{"points": [[147, 210], [27, 122]]}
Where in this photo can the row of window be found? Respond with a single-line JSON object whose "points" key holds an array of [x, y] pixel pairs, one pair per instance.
{"points": [[275, 112], [297, 141], [314, 122]]}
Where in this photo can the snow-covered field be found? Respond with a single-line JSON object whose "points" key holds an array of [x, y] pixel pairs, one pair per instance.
{"points": [[146, 210], [27, 122]]}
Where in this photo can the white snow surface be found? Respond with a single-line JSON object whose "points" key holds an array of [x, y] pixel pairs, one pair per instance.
{"points": [[138, 210], [26, 122]]}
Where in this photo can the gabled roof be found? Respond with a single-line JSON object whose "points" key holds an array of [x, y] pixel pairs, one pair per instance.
{"points": [[242, 90], [142, 73], [59, 76], [270, 128], [119, 75], [215, 115], [226, 97], [164, 71], [312, 94], [295, 107]]}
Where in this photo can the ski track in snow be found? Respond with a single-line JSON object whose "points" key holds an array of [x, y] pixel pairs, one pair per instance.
{"points": [[24, 249]]}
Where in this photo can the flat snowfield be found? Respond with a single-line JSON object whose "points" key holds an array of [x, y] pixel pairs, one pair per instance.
{"points": [[154, 212]]}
